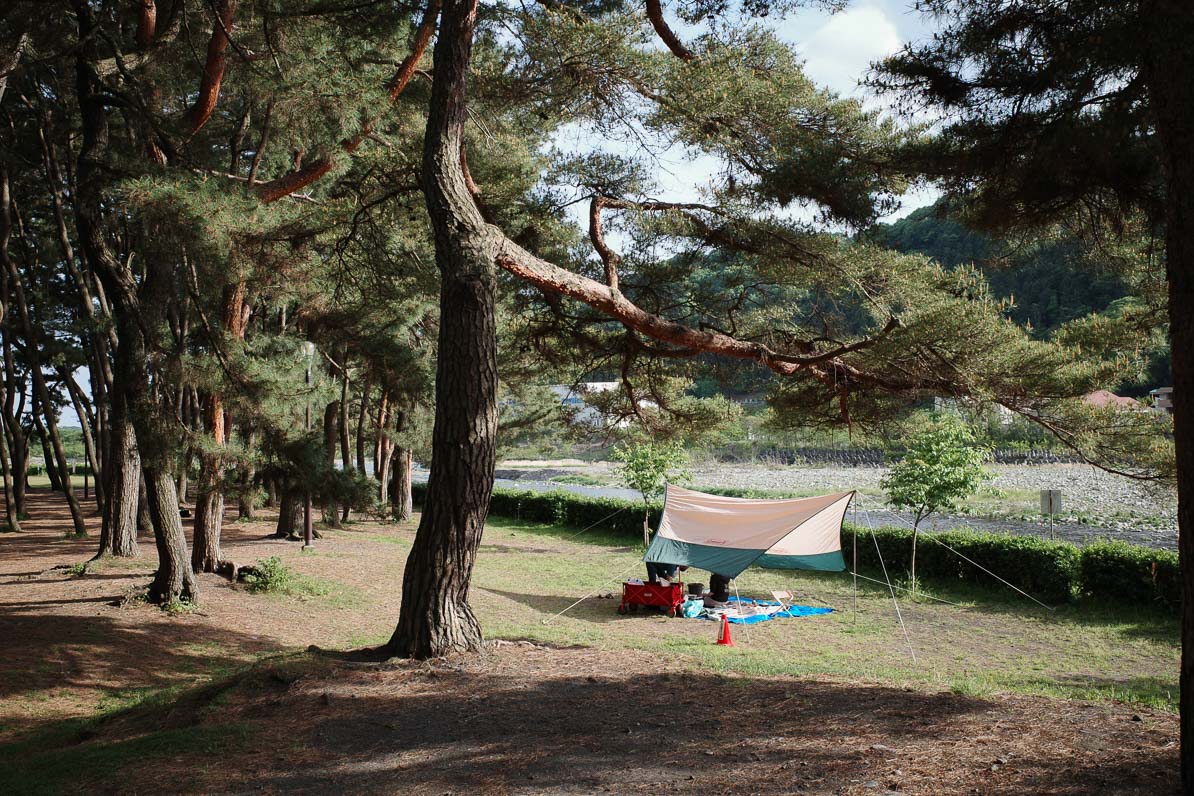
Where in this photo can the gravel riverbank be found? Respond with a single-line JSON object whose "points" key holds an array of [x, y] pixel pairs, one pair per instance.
{"points": [[1096, 505]]}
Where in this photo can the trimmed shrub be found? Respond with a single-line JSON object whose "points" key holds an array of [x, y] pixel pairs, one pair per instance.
{"points": [[560, 507], [1119, 571], [1046, 570]]}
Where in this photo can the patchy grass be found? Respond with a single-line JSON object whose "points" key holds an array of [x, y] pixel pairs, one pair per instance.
{"points": [[275, 578], [136, 726], [990, 640]]}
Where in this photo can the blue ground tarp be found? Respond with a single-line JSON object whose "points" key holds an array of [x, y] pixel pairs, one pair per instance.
{"points": [[791, 610]]}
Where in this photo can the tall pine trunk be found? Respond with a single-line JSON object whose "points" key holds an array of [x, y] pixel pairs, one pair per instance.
{"points": [[209, 502], [435, 617], [173, 580], [1170, 65]]}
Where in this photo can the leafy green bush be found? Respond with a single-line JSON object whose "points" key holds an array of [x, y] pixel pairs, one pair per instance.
{"points": [[1046, 570], [269, 575], [1120, 571]]}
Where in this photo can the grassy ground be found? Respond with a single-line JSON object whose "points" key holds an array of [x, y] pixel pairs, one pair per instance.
{"points": [[92, 686], [988, 642]]}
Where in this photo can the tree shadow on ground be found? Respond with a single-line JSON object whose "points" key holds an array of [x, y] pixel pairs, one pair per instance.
{"points": [[430, 731], [593, 609], [104, 654]]}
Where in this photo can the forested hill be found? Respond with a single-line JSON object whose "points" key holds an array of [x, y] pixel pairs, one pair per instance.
{"points": [[1050, 284]]}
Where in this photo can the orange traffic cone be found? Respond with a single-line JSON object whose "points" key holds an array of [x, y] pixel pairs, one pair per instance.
{"points": [[723, 633]]}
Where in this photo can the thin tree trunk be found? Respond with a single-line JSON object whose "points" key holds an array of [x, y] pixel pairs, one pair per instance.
{"points": [[387, 463], [915, 534], [12, 519], [246, 503], [209, 503], [381, 439], [401, 493], [47, 456], [342, 423], [144, 520], [331, 413], [362, 417], [209, 500], [85, 423], [435, 617]]}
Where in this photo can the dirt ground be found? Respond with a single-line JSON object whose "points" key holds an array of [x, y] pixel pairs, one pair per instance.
{"points": [[520, 718]]}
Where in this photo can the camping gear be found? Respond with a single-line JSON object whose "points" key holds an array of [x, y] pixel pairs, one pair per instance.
{"points": [[745, 611], [726, 535], [692, 609], [724, 638], [696, 589], [667, 597]]}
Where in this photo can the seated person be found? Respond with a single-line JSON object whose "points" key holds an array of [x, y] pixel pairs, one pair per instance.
{"points": [[719, 591], [659, 574]]}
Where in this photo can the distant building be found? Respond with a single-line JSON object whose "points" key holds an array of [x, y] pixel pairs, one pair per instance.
{"points": [[1104, 398], [572, 398], [1163, 399]]}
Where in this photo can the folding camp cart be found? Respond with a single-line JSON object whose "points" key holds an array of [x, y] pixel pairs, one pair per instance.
{"points": [[668, 598]]}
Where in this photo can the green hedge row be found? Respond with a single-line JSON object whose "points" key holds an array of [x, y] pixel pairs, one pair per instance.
{"points": [[1050, 571], [75, 469]]}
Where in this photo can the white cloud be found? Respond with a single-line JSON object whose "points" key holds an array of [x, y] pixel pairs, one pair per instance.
{"points": [[839, 52]]}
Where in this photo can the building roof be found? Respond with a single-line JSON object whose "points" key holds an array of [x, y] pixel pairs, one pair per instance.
{"points": [[1103, 398]]}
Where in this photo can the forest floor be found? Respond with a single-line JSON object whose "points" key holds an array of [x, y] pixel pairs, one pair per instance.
{"points": [[100, 692]]}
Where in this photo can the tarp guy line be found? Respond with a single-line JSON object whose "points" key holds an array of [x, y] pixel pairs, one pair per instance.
{"points": [[896, 602], [975, 563]]}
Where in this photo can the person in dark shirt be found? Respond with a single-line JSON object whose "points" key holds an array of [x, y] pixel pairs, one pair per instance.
{"points": [[658, 572], [719, 591]]}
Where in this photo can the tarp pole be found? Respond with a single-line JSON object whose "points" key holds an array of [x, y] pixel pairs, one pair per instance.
{"points": [[854, 569]]}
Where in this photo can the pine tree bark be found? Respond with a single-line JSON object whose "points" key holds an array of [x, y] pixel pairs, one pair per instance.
{"points": [[401, 494], [435, 617], [1170, 62], [118, 535], [289, 505]]}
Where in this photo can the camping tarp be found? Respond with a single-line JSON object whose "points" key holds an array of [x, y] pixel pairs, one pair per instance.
{"points": [[726, 535]]}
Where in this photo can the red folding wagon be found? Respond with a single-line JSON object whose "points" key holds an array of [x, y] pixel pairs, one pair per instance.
{"points": [[668, 598]]}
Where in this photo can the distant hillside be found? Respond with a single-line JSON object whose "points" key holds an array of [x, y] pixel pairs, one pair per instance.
{"points": [[1051, 284]]}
